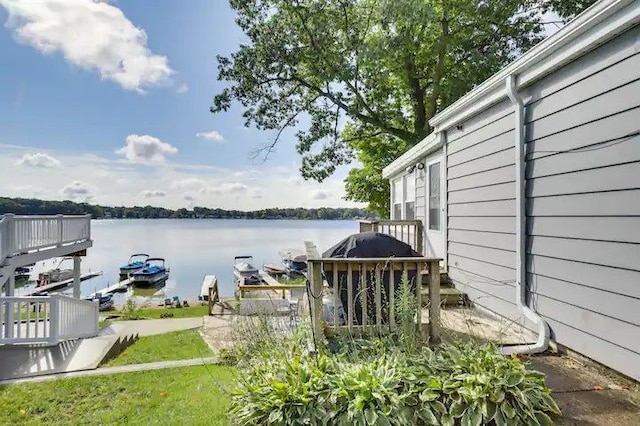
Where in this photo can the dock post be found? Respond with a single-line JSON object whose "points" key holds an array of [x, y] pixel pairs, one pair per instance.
{"points": [[76, 277]]}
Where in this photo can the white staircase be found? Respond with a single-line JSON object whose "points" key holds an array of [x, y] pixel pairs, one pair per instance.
{"points": [[42, 319]]}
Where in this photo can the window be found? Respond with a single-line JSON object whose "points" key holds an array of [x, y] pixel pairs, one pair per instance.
{"points": [[410, 196], [397, 199], [434, 196]]}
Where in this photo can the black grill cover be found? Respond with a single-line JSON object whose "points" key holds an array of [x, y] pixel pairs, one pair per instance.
{"points": [[370, 245]]}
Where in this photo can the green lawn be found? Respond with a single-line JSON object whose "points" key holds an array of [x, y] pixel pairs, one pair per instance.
{"points": [[190, 312], [180, 396], [185, 344]]}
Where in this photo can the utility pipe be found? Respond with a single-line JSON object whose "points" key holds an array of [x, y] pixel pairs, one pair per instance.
{"points": [[521, 275]]}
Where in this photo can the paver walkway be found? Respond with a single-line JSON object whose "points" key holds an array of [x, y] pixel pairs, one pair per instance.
{"points": [[131, 368], [159, 326]]}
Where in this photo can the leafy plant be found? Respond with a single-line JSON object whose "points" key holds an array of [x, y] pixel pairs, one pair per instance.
{"points": [[130, 310], [377, 381]]}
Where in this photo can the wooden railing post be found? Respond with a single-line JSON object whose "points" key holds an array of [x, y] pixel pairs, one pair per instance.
{"points": [[419, 241], [314, 269], [434, 301]]}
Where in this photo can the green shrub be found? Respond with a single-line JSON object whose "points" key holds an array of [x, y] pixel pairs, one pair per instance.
{"points": [[130, 310], [464, 385]]}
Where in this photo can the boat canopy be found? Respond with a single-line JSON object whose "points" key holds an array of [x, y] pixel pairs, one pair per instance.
{"points": [[293, 255]]}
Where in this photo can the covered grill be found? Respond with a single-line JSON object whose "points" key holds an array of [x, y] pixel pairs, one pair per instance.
{"points": [[370, 245]]}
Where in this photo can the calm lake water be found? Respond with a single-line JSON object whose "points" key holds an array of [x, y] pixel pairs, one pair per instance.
{"points": [[194, 248]]}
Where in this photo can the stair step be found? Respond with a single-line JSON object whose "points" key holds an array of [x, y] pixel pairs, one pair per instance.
{"points": [[449, 296]]}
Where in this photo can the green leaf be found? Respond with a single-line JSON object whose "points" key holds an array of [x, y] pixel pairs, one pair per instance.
{"points": [[428, 395], [383, 421], [543, 419], [499, 418], [490, 409], [427, 416], [507, 410], [275, 416], [447, 420], [439, 407], [515, 379], [370, 416], [456, 410]]}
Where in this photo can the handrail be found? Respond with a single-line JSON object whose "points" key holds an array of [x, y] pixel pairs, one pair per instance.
{"points": [[20, 234], [408, 231], [46, 319]]}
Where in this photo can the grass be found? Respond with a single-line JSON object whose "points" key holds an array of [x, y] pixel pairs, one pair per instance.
{"points": [[186, 344], [190, 312], [188, 395], [156, 313]]}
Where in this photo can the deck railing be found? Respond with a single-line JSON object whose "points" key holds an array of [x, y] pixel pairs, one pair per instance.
{"points": [[27, 233], [76, 319], [46, 319], [408, 231], [369, 287]]}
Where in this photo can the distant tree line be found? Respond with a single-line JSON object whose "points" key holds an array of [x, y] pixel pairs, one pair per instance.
{"points": [[22, 206]]}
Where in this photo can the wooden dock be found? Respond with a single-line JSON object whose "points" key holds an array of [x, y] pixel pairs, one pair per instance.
{"points": [[60, 284], [113, 288]]}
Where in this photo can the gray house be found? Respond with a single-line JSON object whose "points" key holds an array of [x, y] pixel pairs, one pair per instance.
{"points": [[529, 188]]}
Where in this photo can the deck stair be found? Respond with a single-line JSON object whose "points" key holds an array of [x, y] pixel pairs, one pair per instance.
{"points": [[449, 295]]}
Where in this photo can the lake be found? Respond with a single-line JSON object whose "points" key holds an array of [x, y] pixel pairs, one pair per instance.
{"points": [[197, 247]]}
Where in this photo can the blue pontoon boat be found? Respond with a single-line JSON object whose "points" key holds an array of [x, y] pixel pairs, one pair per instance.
{"points": [[154, 272], [136, 262]]}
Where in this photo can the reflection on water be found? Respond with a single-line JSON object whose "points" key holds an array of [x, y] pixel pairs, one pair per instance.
{"points": [[194, 248]]}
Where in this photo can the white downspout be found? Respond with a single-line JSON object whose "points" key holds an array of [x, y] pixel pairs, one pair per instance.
{"points": [[521, 278]]}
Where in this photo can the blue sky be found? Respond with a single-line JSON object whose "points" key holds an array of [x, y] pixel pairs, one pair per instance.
{"points": [[109, 102]]}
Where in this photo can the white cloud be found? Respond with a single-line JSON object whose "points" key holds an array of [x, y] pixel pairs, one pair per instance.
{"points": [[116, 183], [319, 194], [234, 188], [153, 193], [145, 149], [38, 159], [93, 35], [213, 135], [294, 180], [183, 88], [77, 191], [188, 183]]}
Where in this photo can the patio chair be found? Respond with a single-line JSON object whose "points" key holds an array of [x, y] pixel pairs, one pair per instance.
{"points": [[176, 302], [167, 302]]}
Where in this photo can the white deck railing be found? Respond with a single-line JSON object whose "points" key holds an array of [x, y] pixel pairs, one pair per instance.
{"points": [[27, 233], [407, 231], [77, 318], [46, 319]]}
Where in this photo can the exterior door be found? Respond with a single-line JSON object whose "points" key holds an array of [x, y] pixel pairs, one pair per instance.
{"points": [[434, 211]]}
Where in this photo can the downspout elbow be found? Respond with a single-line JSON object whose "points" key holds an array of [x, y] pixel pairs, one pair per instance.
{"points": [[544, 334]]}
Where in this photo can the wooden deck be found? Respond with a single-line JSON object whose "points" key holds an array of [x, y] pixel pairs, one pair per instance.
{"points": [[113, 288], [60, 284]]}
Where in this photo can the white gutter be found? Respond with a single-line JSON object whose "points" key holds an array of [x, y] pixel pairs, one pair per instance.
{"points": [[429, 144], [521, 274]]}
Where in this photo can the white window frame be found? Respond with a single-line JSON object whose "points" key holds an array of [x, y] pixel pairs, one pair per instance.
{"points": [[406, 199], [404, 196], [428, 194], [392, 215]]}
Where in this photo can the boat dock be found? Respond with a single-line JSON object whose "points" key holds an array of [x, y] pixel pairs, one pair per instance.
{"points": [[59, 284], [113, 288]]}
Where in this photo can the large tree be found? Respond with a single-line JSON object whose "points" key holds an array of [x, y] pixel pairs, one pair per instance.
{"points": [[361, 78]]}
